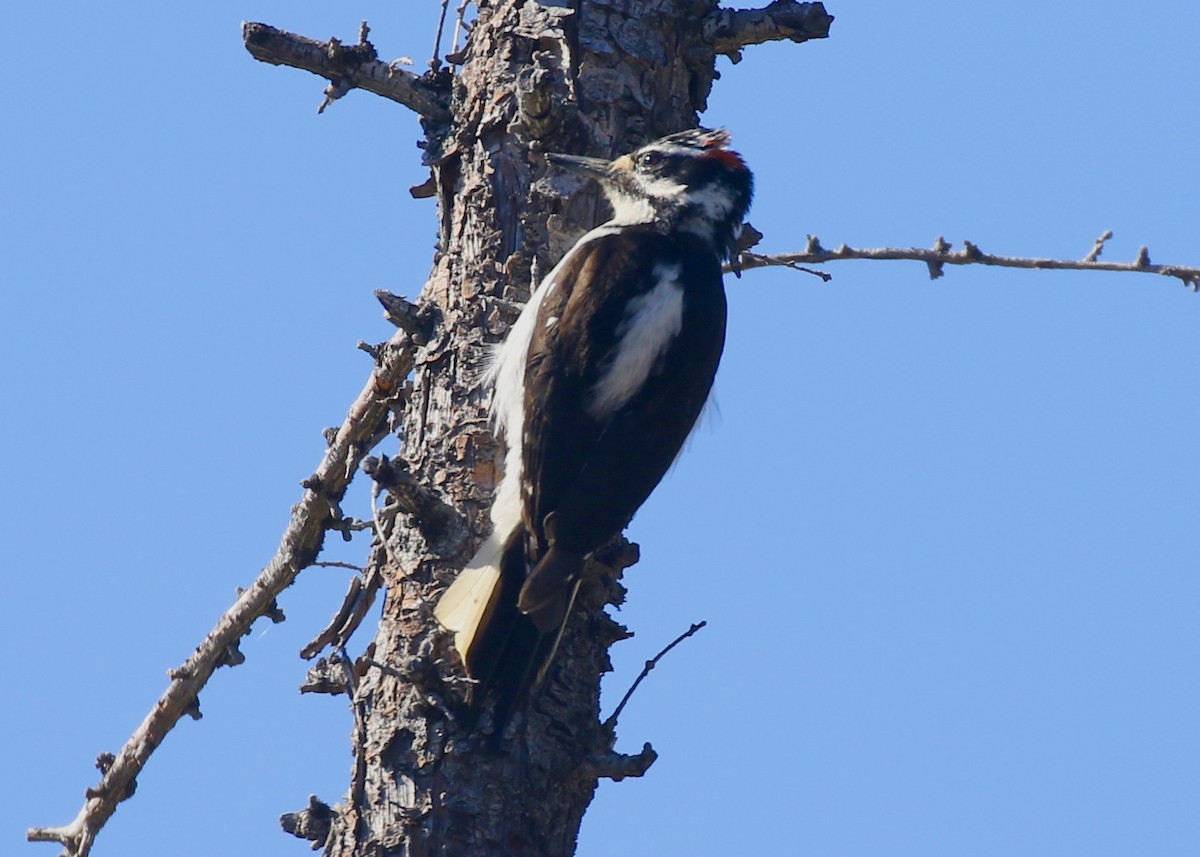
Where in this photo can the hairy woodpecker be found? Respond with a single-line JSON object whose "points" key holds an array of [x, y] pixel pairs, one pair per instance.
{"points": [[595, 390]]}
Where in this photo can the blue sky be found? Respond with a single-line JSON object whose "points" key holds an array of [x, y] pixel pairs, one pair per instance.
{"points": [[942, 532]]}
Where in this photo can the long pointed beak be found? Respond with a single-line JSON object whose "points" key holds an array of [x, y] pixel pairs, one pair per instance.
{"points": [[592, 167]]}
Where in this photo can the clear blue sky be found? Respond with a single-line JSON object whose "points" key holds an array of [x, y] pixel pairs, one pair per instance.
{"points": [[943, 533]]}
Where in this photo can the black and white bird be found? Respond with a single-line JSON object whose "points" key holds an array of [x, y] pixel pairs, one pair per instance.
{"points": [[595, 390]]}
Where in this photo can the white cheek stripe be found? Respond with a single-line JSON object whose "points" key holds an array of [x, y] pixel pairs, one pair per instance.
{"points": [[661, 188], [651, 322]]}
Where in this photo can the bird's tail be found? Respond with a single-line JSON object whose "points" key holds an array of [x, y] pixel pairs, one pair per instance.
{"points": [[502, 649], [468, 600]]}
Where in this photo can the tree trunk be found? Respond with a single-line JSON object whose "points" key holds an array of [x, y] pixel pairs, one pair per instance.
{"points": [[597, 79]]}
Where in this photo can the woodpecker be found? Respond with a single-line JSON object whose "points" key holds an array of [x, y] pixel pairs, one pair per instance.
{"points": [[594, 392]]}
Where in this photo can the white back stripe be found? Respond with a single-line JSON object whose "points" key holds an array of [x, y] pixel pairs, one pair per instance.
{"points": [[507, 377], [652, 320]]}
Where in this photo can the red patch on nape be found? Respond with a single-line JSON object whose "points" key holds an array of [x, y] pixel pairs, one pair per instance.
{"points": [[732, 160]]}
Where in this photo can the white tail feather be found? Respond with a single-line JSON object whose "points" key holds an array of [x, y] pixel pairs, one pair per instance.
{"points": [[462, 605]]}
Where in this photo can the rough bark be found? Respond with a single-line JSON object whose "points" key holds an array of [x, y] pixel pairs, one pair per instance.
{"points": [[429, 776], [596, 78], [599, 79], [552, 78]]}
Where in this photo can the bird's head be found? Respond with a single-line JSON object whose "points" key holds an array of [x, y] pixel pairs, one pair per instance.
{"points": [[690, 182]]}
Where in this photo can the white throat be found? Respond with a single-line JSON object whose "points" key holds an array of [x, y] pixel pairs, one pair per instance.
{"points": [[630, 210]]}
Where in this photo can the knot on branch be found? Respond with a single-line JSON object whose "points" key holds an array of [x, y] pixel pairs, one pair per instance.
{"points": [[1098, 247], [414, 319], [104, 763], [231, 656], [619, 554], [618, 766], [312, 823], [325, 677], [442, 526], [272, 611]]}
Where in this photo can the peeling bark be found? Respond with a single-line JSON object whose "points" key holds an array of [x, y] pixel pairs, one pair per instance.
{"points": [[430, 776], [599, 80]]}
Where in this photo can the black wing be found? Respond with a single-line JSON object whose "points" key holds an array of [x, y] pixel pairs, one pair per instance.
{"points": [[585, 475]]}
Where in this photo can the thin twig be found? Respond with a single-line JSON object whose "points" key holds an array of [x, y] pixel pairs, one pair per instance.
{"points": [[611, 722], [459, 25], [1099, 246], [379, 531], [941, 254], [434, 61], [328, 563]]}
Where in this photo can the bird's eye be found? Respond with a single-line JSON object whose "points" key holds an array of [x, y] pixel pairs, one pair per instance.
{"points": [[649, 160]]}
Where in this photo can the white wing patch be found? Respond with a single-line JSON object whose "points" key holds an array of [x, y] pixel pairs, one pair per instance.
{"points": [[652, 320]]}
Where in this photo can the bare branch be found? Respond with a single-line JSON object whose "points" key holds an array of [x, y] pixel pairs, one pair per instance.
{"points": [[338, 564], [358, 600], [346, 67], [365, 425], [456, 57], [440, 524], [941, 254], [434, 61], [416, 319], [611, 722], [618, 766], [312, 823], [330, 633], [1098, 248], [730, 30]]}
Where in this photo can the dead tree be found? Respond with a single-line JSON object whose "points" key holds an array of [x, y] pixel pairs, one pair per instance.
{"points": [[532, 78], [589, 78], [593, 78]]}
